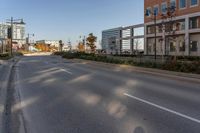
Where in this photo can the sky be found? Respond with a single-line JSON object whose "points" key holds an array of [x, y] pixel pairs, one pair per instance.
{"points": [[70, 19]]}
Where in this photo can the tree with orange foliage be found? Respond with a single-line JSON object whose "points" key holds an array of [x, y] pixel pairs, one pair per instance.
{"points": [[91, 40], [43, 47], [81, 47]]}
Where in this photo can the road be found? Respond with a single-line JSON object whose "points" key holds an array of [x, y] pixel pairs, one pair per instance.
{"points": [[53, 95]]}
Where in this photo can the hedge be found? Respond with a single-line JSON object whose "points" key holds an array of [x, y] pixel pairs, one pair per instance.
{"points": [[171, 65]]}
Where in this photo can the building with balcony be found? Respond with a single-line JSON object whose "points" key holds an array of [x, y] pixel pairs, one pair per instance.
{"points": [[18, 33], [123, 40], [178, 34]]}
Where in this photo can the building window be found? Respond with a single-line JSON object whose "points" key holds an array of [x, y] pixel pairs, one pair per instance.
{"points": [[150, 30], [149, 48], [182, 4], [193, 2], [182, 46], [156, 10], [148, 12], [173, 3], [193, 46], [181, 25], [172, 47], [164, 8], [194, 23]]}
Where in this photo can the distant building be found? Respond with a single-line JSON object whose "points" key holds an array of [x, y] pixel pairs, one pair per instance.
{"points": [[52, 43], [18, 33], [186, 37], [129, 40], [109, 40], [66, 47]]}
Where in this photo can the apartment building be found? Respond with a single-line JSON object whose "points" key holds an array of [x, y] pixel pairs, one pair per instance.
{"points": [[18, 33], [177, 26], [129, 39]]}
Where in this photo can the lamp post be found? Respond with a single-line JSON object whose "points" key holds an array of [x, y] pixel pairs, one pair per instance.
{"points": [[61, 45], [168, 23], [13, 21], [28, 40], [1, 44], [154, 13]]}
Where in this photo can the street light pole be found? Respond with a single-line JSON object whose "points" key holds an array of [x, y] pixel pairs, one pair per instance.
{"points": [[155, 32], [29, 37], [28, 40], [2, 45], [155, 44]]}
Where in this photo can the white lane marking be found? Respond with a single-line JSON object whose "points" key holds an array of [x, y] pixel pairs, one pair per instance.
{"points": [[66, 71], [163, 108]]}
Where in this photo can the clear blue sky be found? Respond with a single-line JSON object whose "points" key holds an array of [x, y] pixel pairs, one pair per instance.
{"points": [[64, 19]]}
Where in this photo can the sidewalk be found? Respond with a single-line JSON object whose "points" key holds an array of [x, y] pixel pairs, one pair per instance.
{"points": [[164, 73], [5, 71]]}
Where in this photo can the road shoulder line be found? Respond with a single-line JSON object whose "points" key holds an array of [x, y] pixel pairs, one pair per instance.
{"points": [[163, 108]]}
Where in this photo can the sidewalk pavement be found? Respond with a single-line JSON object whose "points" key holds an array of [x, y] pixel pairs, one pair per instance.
{"points": [[163, 73], [5, 72]]}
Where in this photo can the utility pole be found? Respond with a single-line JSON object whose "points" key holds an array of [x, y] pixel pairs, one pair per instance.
{"points": [[11, 39], [11, 21]]}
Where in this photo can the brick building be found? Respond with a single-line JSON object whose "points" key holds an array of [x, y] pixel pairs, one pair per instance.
{"points": [[177, 27]]}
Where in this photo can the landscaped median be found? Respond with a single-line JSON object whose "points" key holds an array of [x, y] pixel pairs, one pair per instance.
{"points": [[183, 64]]}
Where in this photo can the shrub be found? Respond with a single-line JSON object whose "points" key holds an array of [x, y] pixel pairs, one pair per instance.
{"points": [[179, 66], [2, 55], [5, 56], [18, 54]]}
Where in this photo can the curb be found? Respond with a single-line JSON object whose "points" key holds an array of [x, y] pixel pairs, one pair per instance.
{"points": [[164, 73], [3, 95], [3, 89], [2, 62]]}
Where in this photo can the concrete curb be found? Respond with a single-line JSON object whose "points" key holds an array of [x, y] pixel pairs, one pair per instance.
{"points": [[3, 94], [3, 88], [2, 62], [164, 73]]}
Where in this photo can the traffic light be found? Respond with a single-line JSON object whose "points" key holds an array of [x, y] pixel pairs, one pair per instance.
{"points": [[9, 32]]}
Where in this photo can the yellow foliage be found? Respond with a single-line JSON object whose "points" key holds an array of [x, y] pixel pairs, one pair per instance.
{"points": [[81, 47], [43, 47]]}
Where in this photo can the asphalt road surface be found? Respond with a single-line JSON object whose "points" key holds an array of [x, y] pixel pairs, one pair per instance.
{"points": [[53, 95]]}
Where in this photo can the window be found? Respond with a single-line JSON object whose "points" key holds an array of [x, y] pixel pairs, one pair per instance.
{"points": [[182, 46], [193, 46], [194, 23], [172, 47], [148, 12], [173, 3], [149, 48], [156, 10], [164, 8], [182, 4], [193, 2], [181, 25]]}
